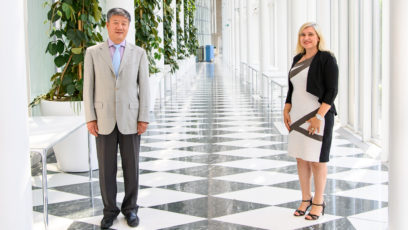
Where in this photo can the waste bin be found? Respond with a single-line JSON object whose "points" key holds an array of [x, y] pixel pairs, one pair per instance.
{"points": [[200, 54], [209, 53]]}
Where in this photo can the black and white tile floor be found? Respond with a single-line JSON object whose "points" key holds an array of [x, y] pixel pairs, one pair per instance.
{"points": [[214, 157]]}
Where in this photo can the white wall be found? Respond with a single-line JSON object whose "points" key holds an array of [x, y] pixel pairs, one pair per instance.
{"points": [[398, 186], [15, 197], [41, 65]]}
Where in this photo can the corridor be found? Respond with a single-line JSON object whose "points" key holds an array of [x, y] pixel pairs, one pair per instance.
{"points": [[214, 157]]}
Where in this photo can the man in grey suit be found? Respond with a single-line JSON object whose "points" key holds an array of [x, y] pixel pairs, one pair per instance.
{"points": [[116, 98]]}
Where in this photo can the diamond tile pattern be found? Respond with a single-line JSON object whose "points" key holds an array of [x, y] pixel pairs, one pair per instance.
{"points": [[214, 157]]}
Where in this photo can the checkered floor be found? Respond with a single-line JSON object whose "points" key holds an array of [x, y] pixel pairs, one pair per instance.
{"points": [[214, 157]]}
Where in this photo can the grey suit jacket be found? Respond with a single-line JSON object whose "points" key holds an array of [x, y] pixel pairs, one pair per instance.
{"points": [[123, 101]]}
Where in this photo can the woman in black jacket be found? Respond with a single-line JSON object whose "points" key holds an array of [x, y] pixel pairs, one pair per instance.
{"points": [[309, 115]]}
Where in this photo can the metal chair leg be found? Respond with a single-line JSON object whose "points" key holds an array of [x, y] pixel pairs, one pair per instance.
{"points": [[44, 186]]}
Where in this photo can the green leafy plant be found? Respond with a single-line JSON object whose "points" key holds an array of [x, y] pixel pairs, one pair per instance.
{"points": [[186, 23], [147, 33], [170, 53], [74, 26], [192, 43], [181, 49]]}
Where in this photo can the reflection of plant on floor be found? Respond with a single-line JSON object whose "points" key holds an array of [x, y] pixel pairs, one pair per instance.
{"points": [[74, 26], [170, 53], [147, 33]]}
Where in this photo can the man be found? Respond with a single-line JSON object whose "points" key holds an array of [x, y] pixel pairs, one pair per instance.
{"points": [[116, 98]]}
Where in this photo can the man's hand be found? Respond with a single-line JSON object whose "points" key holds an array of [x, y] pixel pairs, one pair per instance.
{"points": [[141, 127], [92, 128]]}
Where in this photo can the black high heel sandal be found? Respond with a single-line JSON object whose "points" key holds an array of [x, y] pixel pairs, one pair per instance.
{"points": [[313, 216], [301, 212]]}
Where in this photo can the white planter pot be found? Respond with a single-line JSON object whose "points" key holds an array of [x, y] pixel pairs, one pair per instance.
{"points": [[154, 81], [72, 152], [167, 78], [186, 65]]}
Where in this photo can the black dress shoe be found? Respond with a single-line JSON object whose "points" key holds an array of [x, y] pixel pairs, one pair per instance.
{"points": [[132, 219], [107, 222]]}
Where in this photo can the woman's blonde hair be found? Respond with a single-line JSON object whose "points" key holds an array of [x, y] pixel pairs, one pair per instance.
{"points": [[320, 43]]}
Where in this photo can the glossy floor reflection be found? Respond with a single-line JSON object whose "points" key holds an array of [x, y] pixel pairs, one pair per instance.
{"points": [[214, 157]]}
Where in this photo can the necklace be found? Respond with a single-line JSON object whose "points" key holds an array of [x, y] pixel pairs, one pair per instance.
{"points": [[304, 57]]}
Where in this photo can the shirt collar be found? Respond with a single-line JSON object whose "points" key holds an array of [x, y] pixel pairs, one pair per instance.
{"points": [[122, 44]]}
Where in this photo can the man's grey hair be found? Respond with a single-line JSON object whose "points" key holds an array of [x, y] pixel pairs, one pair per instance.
{"points": [[118, 11]]}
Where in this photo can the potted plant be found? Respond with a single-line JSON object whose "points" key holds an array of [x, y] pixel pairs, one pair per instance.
{"points": [[149, 37], [190, 32], [74, 26], [191, 42], [170, 52], [181, 49], [187, 42]]}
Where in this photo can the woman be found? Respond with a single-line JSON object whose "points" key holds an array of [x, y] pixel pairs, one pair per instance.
{"points": [[309, 115]]}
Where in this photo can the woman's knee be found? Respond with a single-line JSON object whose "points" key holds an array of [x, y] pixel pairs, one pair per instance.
{"points": [[317, 164]]}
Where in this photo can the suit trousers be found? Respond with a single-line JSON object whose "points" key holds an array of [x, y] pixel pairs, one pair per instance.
{"points": [[107, 151]]}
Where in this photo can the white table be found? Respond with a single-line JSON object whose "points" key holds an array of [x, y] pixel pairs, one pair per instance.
{"points": [[44, 133]]}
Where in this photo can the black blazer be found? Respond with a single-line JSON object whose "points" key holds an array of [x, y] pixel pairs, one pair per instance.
{"points": [[322, 78]]}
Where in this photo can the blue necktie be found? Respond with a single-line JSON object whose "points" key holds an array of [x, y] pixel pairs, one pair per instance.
{"points": [[116, 60]]}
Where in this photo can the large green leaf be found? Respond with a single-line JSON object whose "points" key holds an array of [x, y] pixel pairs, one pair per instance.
{"points": [[96, 12], [78, 58], [76, 50], [51, 48], [79, 86], [60, 46], [59, 61], [84, 17], [67, 10], [67, 80], [71, 34], [70, 89]]}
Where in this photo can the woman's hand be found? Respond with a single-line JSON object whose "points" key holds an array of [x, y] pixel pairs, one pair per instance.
{"points": [[286, 119], [314, 126], [286, 116]]}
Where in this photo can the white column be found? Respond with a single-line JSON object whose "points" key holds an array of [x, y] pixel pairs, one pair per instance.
{"points": [[334, 27], [233, 40], [236, 15], [15, 166], [385, 73], [298, 16], [242, 45], [312, 8], [323, 18], [262, 5], [365, 71], [225, 33], [130, 7], [281, 37], [248, 18], [343, 63], [230, 34], [354, 65], [398, 186]]}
